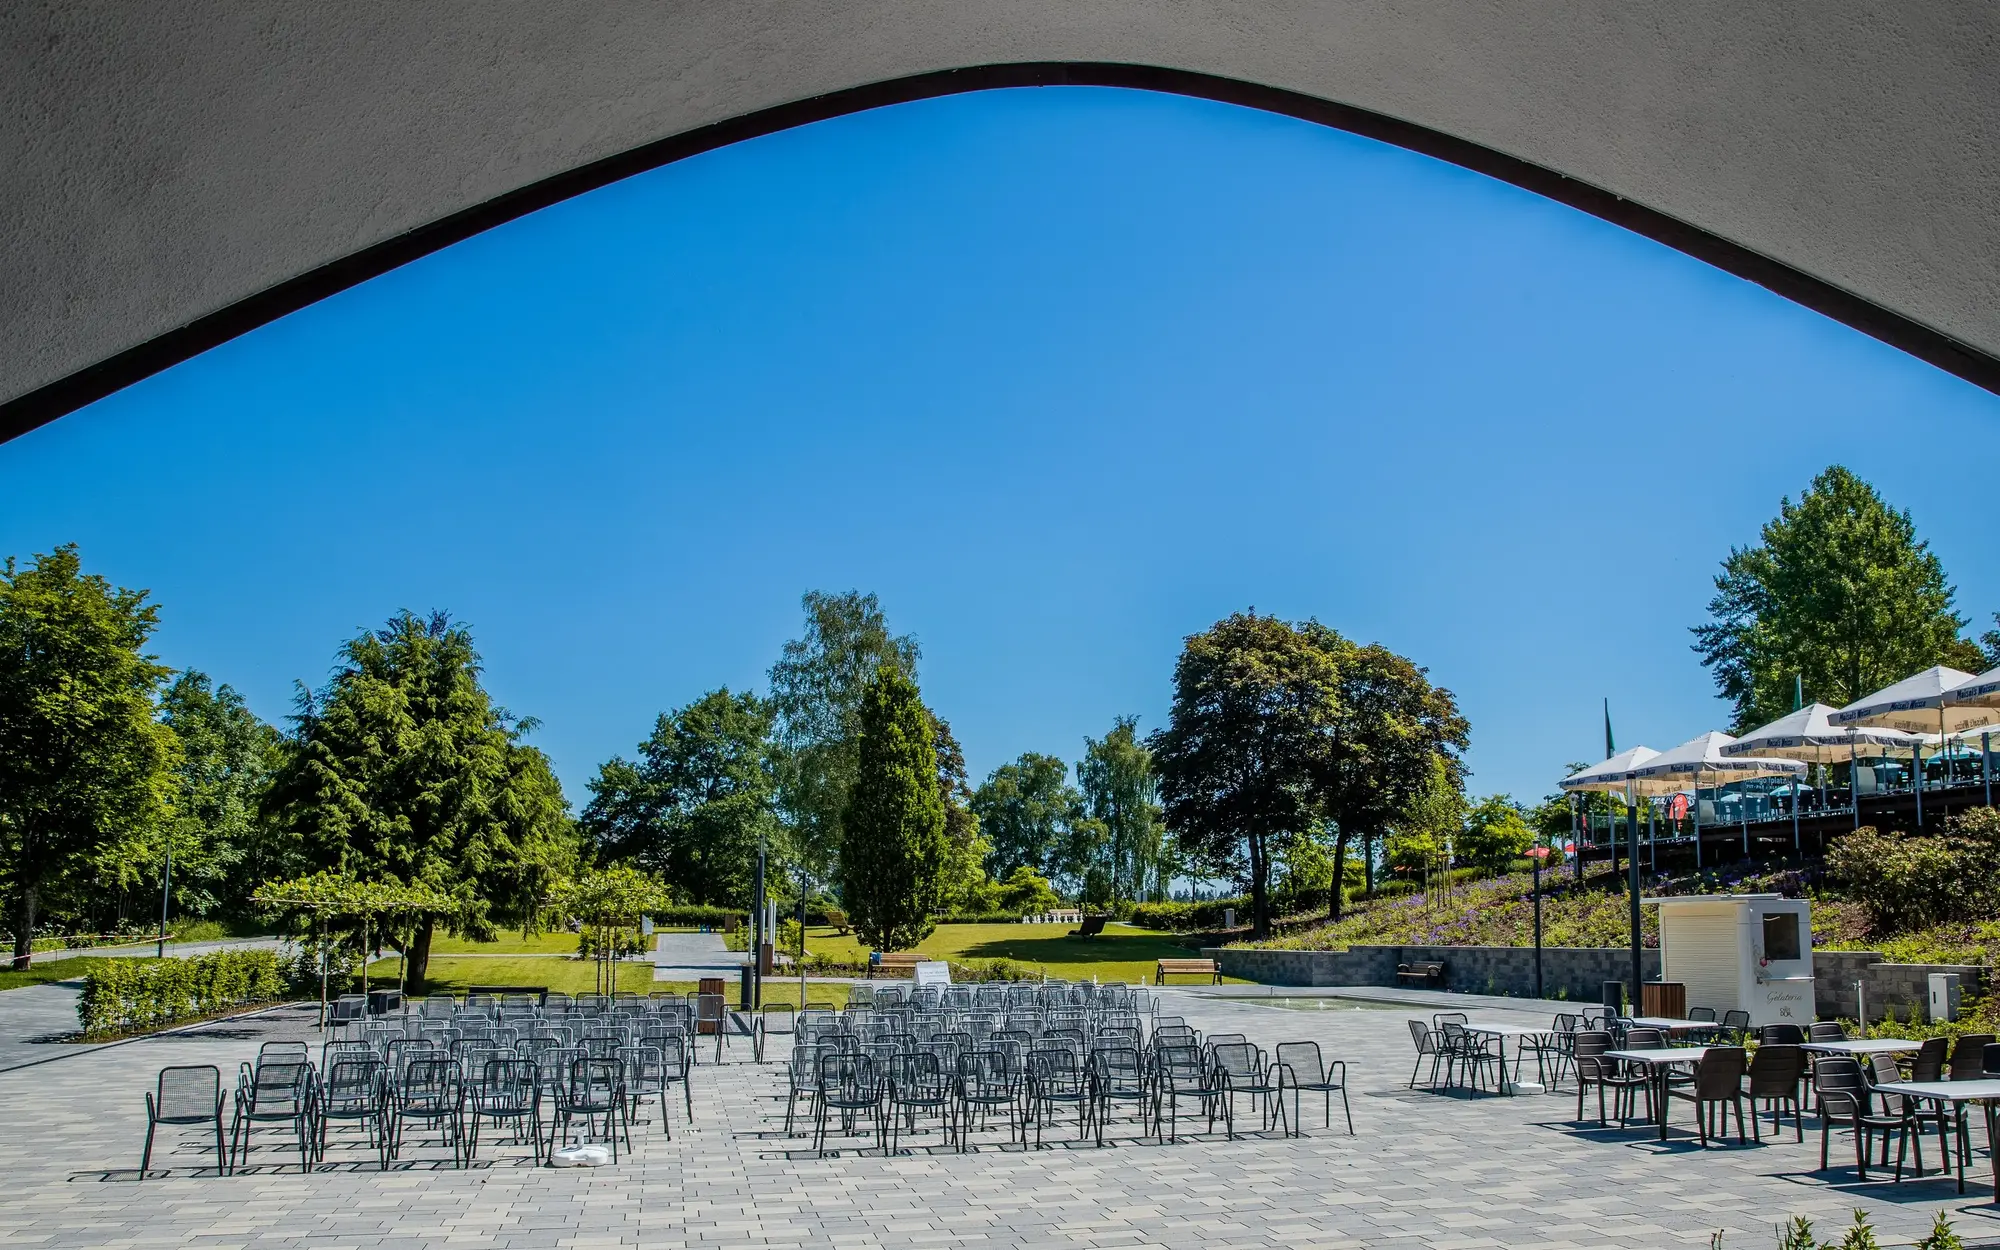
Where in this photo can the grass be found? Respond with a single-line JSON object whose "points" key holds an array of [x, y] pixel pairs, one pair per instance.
{"points": [[449, 975], [1123, 953], [54, 970]]}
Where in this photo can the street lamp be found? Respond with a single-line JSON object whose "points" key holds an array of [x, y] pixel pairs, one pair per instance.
{"points": [[1537, 854]]}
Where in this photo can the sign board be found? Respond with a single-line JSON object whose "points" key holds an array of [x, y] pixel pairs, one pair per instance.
{"points": [[933, 972]]}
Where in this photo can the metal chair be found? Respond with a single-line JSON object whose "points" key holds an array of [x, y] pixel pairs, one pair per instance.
{"points": [[429, 1092], [277, 1093], [1239, 1068], [354, 1089], [1055, 1079], [1178, 1072], [1736, 1025], [507, 1093], [915, 1083], [187, 1096], [1427, 1044], [1117, 1074], [847, 1085], [774, 1020], [986, 1081], [593, 1089], [1299, 1065]]}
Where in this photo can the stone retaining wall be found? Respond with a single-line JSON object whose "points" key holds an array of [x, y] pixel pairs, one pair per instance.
{"points": [[1578, 973]]}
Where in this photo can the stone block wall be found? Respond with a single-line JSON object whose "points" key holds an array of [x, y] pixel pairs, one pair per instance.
{"points": [[1578, 973]]}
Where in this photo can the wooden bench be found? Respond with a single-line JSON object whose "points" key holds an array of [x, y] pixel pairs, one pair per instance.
{"points": [[1092, 926], [1428, 973], [901, 962], [1191, 968]]}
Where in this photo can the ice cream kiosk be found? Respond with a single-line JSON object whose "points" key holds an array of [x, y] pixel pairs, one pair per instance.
{"points": [[1740, 952]]}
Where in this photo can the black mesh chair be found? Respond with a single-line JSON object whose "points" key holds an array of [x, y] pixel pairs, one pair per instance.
{"points": [[1178, 1073], [274, 1094], [1117, 1074], [1775, 1072], [989, 1081], [1055, 1080], [1300, 1067], [801, 1082], [187, 1096], [916, 1083], [354, 1090], [1427, 1044], [430, 1092], [507, 1093], [1717, 1086], [847, 1085], [593, 1090], [1736, 1026], [775, 1020], [1238, 1068]]}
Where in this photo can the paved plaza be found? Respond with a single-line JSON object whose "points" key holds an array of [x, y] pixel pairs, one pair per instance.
{"points": [[1423, 1170]]}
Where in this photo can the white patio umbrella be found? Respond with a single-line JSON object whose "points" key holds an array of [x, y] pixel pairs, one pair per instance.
{"points": [[1612, 776], [1916, 704], [1809, 734], [1702, 756], [1983, 693]]}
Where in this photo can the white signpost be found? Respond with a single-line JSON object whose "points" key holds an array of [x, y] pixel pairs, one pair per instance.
{"points": [[933, 972]]}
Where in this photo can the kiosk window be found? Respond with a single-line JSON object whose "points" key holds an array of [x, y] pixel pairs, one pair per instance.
{"points": [[1781, 936]]}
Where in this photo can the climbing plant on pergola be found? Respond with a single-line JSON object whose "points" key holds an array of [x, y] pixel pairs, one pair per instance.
{"points": [[606, 903], [334, 896]]}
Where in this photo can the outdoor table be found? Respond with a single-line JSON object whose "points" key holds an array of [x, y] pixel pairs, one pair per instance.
{"points": [[1671, 1025], [1951, 1093], [1504, 1031], [1658, 1063], [1861, 1046]]}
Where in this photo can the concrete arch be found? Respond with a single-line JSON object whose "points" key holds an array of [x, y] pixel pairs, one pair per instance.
{"points": [[177, 174]]}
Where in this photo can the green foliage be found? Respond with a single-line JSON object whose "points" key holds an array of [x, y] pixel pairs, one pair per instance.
{"points": [[1911, 882], [608, 904], [1204, 916], [817, 688], [1840, 593], [85, 768], [1797, 1235], [1245, 752], [1496, 833], [1026, 810], [1115, 779], [963, 883], [1942, 1235], [402, 768], [128, 995], [893, 845], [1423, 837], [1026, 892], [695, 805], [219, 846]]}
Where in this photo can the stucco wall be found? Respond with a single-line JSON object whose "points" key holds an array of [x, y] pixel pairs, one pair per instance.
{"points": [[165, 162]]}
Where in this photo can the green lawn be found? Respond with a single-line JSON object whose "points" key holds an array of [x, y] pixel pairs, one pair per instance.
{"points": [[449, 975], [69, 969], [1122, 953]]}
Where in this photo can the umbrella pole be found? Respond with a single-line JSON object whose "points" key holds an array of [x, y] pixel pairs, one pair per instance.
{"points": [[1917, 779], [1854, 779], [1632, 880], [1697, 820], [1986, 763], [1743, 796], [1795, 818]]}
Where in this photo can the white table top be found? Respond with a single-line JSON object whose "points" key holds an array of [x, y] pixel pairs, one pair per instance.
{"points": [[1508, 1030], [1947, 1091], [1864, 1046], [1671, 1054], [1670, 1023]]}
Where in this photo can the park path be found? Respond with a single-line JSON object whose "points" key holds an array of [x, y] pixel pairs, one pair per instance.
{"points": [[692, 956]]}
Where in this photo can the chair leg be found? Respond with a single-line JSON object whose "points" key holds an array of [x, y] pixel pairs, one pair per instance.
{"points": [[146, 1156]]}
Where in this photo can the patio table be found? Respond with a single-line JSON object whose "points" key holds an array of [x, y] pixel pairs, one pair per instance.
{"points": [[1862, 1046], [1517, 1031], [1671, 1024], [1658, 1063], [1951, 1093]]}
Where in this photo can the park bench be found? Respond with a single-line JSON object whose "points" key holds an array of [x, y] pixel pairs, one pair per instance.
{"points": [[1191, 968], [902, 962], [1092, 926], [1428, 973]]}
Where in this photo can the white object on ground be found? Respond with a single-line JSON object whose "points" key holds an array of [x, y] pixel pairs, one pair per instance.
{"points": [[585, 1156]]}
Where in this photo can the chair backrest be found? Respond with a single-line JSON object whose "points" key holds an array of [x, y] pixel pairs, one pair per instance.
{"points": [[1719, 1073], [1841, 1088], [284, 1052], [1237, 1060], [279, 1081], [1968, 1056], [1736, 1019], [1180, 1064], [1928, 1064], [1706, 1014], [1420, 1033], [187, 1094], [1589, 1046], [1302, 1060], [1641, 1038], [1775, 1071], [429, 1078], [1119, 1068], [1566, 1022], [1441, 1018], [1781, 1035], [1825, 1031]]}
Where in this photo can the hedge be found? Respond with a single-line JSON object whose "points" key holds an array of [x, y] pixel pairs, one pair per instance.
{"points": [[1182, 917], [127, 995]]}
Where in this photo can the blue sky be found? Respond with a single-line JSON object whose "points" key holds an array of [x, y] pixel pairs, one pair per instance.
{"points": [[1063, 375]]}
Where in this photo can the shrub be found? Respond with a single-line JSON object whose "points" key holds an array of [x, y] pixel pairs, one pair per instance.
{"points": [[126, 994], [1189, 917], [1906, 881], [622, 942]]}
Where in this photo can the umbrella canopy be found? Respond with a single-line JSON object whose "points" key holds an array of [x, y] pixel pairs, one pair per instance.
{"points": [[1610, 775], [1809, 734], [1982, 691], [1915, 704], [1702, 757]]}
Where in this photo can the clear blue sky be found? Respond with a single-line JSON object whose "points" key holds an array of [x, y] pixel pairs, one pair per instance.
{"points": [[1064, 375]]}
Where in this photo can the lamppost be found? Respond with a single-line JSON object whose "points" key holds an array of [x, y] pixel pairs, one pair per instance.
{"points": [[166, 893], [757, 934], [1536, 854]]}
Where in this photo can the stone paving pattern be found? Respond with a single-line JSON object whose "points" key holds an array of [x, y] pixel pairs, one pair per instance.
{"points": [[1425, 1170]]}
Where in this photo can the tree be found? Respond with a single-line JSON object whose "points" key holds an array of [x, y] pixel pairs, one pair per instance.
{"points": [[608, 904], [1423, 836], [893, 847], [85, 767], [1026, 892], [1840, 596], [1116, 780], [1025, 811], [695, 805], [817, 687], [1496, 833], [965, 886], [1392, 728], [227, 757], [1989, 644], [401, 768], [1244, 752]]}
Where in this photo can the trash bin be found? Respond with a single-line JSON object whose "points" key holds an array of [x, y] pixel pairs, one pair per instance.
{"points": [[743, 1002], [1614, 996]]}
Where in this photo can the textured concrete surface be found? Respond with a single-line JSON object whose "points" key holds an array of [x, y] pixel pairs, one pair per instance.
{"points": [[165, 161], [1423, 1170]]}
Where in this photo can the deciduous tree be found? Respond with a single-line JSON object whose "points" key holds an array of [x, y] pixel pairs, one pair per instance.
{"points": [[85, 767], [1116, 780], [1026, 810], [220, 847]]}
